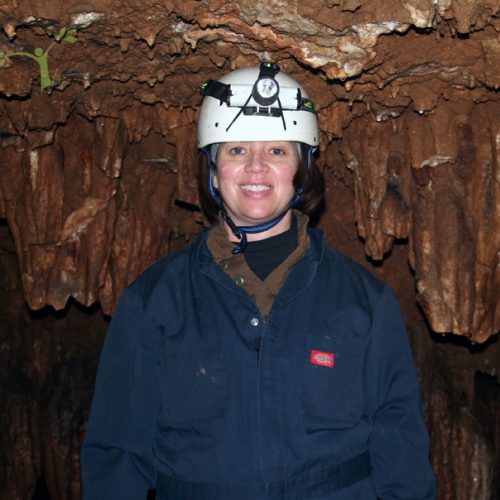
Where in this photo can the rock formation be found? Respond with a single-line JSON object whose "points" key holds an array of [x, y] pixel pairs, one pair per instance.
{"points": [[98, 106]]}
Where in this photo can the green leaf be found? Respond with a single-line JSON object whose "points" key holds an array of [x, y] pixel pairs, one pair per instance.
{"points": [[2, 61], [71, 39], [61, 33]]}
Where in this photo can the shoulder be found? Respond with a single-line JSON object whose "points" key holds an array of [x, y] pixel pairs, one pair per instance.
{"points": [[159, 292], [355, 297], [168, 270], [348, 280], [331, 258]]}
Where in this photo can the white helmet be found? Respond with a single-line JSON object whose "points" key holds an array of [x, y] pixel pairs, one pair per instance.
{"points": [[256, 104]]}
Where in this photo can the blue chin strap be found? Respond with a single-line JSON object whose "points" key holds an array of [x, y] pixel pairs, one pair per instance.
{"points": [[241, 231]]}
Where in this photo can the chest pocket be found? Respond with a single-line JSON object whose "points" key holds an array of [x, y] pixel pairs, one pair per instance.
{"points": [[333, 378], [192, 381]]}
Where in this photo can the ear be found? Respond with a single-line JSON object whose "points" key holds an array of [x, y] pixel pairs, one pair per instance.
{"points": [[215, 179]]}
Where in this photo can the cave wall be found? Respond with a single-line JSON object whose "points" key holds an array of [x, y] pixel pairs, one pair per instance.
{"points": [[417, 83], [98, 106]]}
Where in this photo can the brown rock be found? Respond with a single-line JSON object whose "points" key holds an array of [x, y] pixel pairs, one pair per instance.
{"points": [[97, 181]]}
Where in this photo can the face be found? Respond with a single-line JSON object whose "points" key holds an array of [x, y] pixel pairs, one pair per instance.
{"points": [[255, 180]]}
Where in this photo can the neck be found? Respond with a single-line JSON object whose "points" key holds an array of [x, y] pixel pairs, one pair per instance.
{"points": [[282, 226]]}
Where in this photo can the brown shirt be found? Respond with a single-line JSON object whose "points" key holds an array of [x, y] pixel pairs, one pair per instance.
{"points": [[263, 292]]}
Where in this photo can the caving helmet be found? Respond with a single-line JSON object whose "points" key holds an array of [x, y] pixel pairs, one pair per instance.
{"points": [[255, 104]]}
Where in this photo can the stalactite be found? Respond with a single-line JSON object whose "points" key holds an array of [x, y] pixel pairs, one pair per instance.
{"points": [[98, 180]]}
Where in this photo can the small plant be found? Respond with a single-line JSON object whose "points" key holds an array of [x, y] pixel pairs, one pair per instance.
{"points": [[41, 56]]}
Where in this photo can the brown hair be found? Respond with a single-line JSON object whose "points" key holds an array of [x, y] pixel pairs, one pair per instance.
{"points": [[310, 202], [314, 186]]}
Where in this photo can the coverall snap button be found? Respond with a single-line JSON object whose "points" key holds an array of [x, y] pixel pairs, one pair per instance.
{"points": [[223, 265], [254, 321], [240, 281]]}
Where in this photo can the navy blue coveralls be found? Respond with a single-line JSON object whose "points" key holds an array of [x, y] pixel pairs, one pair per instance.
{"points": [[327, 407]]}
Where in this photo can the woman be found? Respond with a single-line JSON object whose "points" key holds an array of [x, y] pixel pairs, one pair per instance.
{"points": [[257, 363]]}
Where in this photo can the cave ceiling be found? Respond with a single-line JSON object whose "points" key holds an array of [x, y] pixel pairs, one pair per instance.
{"points": [[98, 105]]}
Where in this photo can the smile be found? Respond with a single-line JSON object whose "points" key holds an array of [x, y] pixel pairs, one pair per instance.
{"points": [[255, 188]]}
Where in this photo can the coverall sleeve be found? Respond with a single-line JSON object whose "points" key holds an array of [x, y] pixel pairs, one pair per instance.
{"points": [[399, 447], [116, 458]]}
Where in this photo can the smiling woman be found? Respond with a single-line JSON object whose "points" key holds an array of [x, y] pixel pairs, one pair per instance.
{"points": [[257, 363], [255, 179], [272, 107], [308, 181]]}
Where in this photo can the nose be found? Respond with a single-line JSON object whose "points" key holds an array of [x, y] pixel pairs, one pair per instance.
{"points": [[256, 162]]}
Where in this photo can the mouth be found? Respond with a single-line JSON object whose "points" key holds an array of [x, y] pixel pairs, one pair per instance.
{"points": [[255, 188]]}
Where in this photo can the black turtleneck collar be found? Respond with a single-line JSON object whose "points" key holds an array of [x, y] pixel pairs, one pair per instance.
{"points": [[264, 256]]}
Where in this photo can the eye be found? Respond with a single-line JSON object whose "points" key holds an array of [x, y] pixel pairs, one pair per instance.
{"points": [[237, 150], [277, 151]]}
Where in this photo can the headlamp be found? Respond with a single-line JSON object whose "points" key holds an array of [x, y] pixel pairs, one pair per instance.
{"points": [[264, 97], [265, 91]]}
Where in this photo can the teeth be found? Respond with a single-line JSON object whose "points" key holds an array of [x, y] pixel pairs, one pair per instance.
{"points": [[255, 187]]}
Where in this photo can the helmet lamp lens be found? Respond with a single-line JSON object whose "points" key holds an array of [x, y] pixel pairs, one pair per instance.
{"points": [[265, 91]]}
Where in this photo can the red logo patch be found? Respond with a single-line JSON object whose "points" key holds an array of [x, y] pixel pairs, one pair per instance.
{"points": [[322, 358]]}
